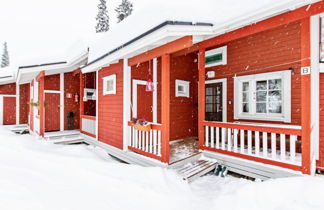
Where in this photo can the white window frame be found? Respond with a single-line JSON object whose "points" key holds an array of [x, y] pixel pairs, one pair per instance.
{"points": [[186, 87], [220, 50], [285, 116], [105, 80], [90, 90]]}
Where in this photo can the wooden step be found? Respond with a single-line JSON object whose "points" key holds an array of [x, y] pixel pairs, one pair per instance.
{"points": [[196, 169], [69, 140]]}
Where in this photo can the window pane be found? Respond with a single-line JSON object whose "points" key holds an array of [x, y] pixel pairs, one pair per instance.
{"points": [[261, 96], [181, 89], [245, 107], [261, 85], [209, 107], [261, 107], [275, 84], [245, 86], [274, 96], [209, 99], [209, 91], [245, 97], [110, 85], [275, 107]]}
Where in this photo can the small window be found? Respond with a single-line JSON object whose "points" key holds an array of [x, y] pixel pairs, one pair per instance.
{"points": [[182, 88], [89, 94], [109, 85], [265, 96], [216, 57]]}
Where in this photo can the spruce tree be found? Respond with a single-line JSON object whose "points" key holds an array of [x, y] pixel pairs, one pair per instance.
{"points": [[5, 56], [102, 17], [124, 10]]}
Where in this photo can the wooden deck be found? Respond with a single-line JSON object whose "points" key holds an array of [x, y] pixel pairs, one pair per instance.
{"points": [[183, 149]]}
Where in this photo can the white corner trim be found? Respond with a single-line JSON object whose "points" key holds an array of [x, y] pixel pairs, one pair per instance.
{"points": [[155, 90], [315, 69], [61, 101], [105, 80], [126, 103], [97, 106], [224, 87], [17, 104]]}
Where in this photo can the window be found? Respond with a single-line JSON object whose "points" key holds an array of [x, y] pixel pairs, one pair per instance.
{"points": [[109, 85], [182, 88], [89, 94], [216, 57], [264, 96]]}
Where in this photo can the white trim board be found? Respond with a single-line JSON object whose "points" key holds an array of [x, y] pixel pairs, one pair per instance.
{"points": [[17, 104], [1, 110], [61, 101], [224, 85], [126, 103]]}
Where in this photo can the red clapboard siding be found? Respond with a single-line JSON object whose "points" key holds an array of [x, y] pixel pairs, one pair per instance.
{"points": [[110, 116], [71, 85], [52, 112], [272, 50], [8, 89], [23, 103], [320, 162], [9, 110], [52, 82]]}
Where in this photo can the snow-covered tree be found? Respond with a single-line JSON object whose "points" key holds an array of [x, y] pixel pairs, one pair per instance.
{"points": [[5, 56], [124, 10], [102, 17]]}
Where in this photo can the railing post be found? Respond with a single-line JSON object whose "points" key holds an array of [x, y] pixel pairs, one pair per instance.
{"points": [[305, 96], [201, 97], [165, 107]]}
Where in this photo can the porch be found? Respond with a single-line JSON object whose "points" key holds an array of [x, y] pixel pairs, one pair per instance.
{"points": [[180, 107]]}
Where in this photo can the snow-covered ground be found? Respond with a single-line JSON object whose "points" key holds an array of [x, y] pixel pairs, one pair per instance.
{"points": [[38, 175]]}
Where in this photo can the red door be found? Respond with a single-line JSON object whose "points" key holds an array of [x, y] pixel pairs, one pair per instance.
{"points": [[9, 110], [52, 112], [144, 103]]}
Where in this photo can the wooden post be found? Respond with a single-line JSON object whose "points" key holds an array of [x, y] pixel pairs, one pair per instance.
{"points": [[41, 95], [305, 96], [201, 97], [81, 98], [165, 107]]}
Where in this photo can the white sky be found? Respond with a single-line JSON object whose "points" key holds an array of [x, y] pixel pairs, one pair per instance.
{"points": [[42, 28]]}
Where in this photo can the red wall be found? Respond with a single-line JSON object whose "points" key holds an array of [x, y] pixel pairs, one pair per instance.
{"points": [[23, 103], [90, 82], [264, 52], [9, 110], [52, 82], [71, 85], [320, 162], [8, 89], [110, 117], [184, 111]]}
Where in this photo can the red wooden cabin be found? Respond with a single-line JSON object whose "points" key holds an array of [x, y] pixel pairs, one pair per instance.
{"points": [[248, 92], [13, 99]]}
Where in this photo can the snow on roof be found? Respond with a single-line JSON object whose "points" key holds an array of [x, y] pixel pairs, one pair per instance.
{"points": [[6, 72], [219, 13]]}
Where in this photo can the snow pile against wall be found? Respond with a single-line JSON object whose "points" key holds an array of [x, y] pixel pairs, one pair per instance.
{"points": [[38, 175], [220, 13]]}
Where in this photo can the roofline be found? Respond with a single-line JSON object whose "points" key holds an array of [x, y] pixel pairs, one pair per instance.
{"points": [[168, 22], [5, 77], [40, 65]]}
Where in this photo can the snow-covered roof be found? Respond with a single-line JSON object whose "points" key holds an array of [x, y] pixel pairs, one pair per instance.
{"points": [[224, 15], [6, 75]]}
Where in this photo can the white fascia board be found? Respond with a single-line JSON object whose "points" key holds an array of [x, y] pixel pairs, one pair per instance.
{"points": [[162, 36], [259, 16]]}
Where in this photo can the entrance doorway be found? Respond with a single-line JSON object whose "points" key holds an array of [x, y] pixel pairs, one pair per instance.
{"points": [[52, 112], [142, 101], [216, 105]]}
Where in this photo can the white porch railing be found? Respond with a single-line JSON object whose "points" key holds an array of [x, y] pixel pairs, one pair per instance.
{"points": [[147, 143], [88, 125], [266, 142]]}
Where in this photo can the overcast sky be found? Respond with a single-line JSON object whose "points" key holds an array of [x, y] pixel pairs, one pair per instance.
{"points": [[42, 28]]}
